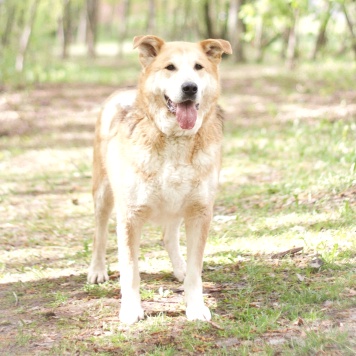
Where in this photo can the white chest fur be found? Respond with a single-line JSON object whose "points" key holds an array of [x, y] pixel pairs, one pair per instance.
{"points": [[166, 181]]}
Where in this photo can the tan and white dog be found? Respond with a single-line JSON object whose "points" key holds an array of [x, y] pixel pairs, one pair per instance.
{"points": [[157, 158]]}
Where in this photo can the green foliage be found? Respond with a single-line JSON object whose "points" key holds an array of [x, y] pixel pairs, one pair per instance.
{"points": [[267, 24]]}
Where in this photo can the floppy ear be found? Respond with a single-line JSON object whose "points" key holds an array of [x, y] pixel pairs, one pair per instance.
{"points": [[214, 49], [149, 47]]}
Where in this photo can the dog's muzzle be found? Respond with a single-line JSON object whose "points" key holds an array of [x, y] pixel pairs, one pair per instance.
{"points": [[186, 112]]}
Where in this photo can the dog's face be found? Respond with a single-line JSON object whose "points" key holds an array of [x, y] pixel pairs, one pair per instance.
{"points": [[180, 81]]}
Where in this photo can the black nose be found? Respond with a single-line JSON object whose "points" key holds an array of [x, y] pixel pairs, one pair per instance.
{"points": [[189, 88]]}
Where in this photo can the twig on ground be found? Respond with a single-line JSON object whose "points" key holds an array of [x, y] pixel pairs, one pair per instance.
{"points": [[16, 299], [216, 326], [292, 251]]}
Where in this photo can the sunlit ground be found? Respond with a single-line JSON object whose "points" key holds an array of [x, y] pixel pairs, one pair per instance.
{"points": [[288, 180]]}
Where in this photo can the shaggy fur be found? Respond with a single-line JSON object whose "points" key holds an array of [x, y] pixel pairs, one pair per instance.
{"points": [[157, 158]]}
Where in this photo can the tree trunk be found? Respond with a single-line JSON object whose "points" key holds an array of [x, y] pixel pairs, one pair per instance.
{"points": [[82, 25], [224, 28], [188, 25], [11, 11], [91, 26], [351, 28], [321, 38], [259, 39], [174, 9], [285, 37], [236, 30], [151, 19], [25, 38], [207, 20], [65, 28], [123, 25], [291, 54]]}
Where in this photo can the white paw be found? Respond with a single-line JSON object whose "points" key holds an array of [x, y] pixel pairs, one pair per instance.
{"points": [[198, 312], [131, 315], [179, 271], [97, 275]]}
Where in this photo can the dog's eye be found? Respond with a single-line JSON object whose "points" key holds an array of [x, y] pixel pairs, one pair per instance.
{"points": [[171, 67], [198, 66]]}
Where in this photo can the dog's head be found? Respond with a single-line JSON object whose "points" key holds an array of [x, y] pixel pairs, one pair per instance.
{"points": [[180, 81]]}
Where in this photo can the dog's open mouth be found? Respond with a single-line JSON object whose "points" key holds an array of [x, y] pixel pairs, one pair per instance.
{"points": [[185, 112]]}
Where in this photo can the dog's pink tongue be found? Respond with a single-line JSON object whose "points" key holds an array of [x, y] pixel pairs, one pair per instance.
{"points": [[186, 115]]}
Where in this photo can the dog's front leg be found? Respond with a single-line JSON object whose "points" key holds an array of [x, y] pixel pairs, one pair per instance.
{"points": [[171, 243], [197, 227], [128, 233]]}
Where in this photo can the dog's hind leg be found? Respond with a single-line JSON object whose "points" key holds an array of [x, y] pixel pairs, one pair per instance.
{"points": [[103, 205], [171, 243]]}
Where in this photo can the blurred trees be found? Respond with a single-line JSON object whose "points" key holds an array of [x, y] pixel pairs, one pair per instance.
{"points": [[256, 28]]}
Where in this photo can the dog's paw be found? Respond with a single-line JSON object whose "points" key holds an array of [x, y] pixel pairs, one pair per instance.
{"points": [[129, 315], [198, 312], [97, 275], [179, 271]]}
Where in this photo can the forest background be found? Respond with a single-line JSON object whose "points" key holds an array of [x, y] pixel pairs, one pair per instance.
{"points": [[36, 34]]}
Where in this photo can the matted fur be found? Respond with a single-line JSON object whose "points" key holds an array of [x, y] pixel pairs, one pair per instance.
{"points": [[155, 164]]}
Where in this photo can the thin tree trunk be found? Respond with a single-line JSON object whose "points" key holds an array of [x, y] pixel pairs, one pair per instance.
{"points": [[174, 8], [65, 30], [236, 30], [207, 20], [259, 39], [82, 25], [25, 38], [91, 28], [123, 26], [351, 28], [292, 42], [151, 19], [188, 26], [224, 29], [321, 38], [285, 37], [11, 11]]}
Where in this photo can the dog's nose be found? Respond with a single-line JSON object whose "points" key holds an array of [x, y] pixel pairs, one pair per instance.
{"points": [[189, 88]]}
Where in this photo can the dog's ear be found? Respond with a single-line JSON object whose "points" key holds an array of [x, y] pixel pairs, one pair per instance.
{"points": [[149, 47], [214, 49]]}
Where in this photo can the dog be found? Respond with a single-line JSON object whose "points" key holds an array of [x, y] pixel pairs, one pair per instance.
{"points": [[157, 156]]}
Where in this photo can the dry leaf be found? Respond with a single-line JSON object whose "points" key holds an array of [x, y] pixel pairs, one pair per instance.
{"points": [[300, 277], [299, 322], [316, 263]]}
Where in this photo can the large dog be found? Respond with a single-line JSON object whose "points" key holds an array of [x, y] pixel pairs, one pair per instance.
{"points": [[157, 158]]}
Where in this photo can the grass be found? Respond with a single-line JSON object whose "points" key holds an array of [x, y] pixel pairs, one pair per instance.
{"points": [[103, 70], [288, 180]]}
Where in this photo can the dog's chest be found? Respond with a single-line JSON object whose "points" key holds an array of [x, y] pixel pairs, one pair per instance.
{"points": [[168, 179]]}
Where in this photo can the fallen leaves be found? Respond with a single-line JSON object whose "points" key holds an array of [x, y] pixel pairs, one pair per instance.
{"points": [[316, 263]]}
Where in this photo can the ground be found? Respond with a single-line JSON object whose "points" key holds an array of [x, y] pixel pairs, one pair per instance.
{"points": [[279, 268]]}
